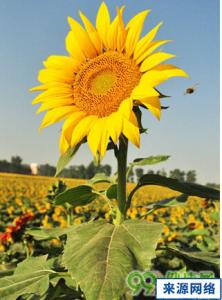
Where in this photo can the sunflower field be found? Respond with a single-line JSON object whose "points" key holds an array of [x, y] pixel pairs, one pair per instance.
{"points": [[75, 239], [192, 225]]}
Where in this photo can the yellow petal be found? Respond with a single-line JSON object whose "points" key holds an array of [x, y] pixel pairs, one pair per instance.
{"points": [[152, 47], [131, 132], [126, 107], [104, 140], [56, 114], [133, 119], [171, 71], [82, 129], [70, 123], [50, 75], [62, 91], [135, 27], [160, 74], [152, 78], [143, 91], [62, 63], [41, 87], [144, 43], [82, 38], [103, 22], [94, 136], [153, 104], [74, 48], [93, 34], [115, 125], [113, 31], [63, 144], [112, 35], [121, 32], [53, 103], [154, 60]]}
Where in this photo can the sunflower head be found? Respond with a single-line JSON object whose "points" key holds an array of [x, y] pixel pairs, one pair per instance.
{"points": [[108, 71]]}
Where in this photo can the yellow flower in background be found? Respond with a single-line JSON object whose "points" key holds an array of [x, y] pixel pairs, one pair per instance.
{"points": [[149, 218], [109, 70], [10, 210], [78, 221], [172, 237], [45, 222]]}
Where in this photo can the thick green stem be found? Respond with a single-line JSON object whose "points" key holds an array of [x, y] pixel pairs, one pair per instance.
{"points": [[121, 186]]}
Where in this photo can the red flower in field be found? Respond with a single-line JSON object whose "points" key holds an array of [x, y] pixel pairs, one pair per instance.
{"points": [[5, 237], [27, 217], [23, 220], [11, 228]]}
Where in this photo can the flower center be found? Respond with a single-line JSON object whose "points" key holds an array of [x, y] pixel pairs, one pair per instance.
{"points": [[104, 82]]}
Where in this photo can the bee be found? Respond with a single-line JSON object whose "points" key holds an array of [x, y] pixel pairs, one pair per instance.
{"points": [[191, 90]]}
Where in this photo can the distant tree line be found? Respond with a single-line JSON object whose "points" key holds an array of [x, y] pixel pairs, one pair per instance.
{"points": [[15, 165], [189, 176], [84, 172]]}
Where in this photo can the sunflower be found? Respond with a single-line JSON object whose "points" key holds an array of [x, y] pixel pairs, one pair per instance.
{"points": [[109, 71]]}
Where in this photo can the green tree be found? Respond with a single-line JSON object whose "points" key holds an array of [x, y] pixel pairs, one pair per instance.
{"points": [[90, 170], [162, 172], [178, 174], [139, 173], [4, 166], [131, 176], [16, 160], [47, 170], [105, 169], [16, 164], [191, 176], [150, 172]]}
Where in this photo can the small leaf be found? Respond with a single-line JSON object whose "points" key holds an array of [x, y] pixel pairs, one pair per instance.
{"points": [[41, 234], [30, 277], [173, 201], [196, 232], [211, 245], [100, 255], [63, 275], [65, 159], [151, 160], [191, 189], [77, 196], [111, 192], [100, 177], [215, 216]]}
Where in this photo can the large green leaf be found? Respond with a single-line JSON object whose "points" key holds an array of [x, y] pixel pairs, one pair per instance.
{"points": [[151, 160], [65, 159], [77, 196], [100, 177], [99, 255], [191, 189], [30, 277]]}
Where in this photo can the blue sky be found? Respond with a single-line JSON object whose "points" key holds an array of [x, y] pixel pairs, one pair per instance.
{"points": [[189, 131]]}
